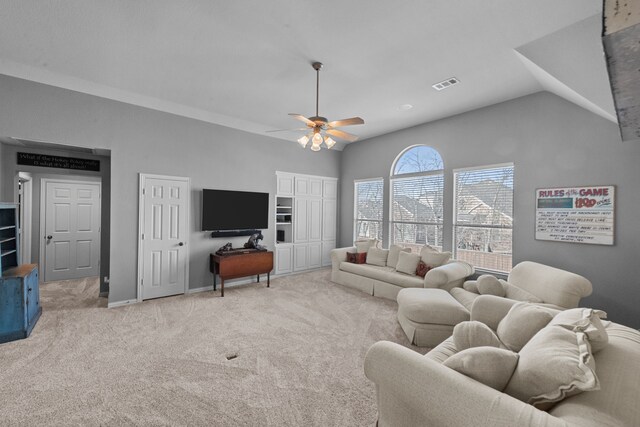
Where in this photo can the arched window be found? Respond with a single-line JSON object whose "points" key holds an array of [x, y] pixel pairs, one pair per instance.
{"points": [[416, 199]]}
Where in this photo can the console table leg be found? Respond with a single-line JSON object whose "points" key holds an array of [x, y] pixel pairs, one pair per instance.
{"points": [[258, 277], [214, 277], [268, 280], [222, 287]]}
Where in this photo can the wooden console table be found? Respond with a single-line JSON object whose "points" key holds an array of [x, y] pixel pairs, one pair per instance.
{"points": [[245, 263]]}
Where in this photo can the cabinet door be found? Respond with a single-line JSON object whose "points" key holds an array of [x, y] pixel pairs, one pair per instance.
{"points": [[285, 185], [329, 219], [315, 220], [315, 187], [32, 295], [301, 221], [284, 259], [330, 189], [326, 252], [302, 186], [300, 261], [315, 255]]}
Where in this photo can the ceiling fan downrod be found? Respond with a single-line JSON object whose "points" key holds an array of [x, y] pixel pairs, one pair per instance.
{"points": [[317, 66]]}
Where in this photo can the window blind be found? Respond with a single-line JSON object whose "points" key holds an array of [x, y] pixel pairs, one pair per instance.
{"points": [[368, 208]]}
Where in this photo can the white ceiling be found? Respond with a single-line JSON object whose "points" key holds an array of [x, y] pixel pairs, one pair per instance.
{"points": [[246, 63]]}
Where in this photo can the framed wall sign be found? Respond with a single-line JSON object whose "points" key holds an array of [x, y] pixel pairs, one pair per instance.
{"points": [[47, 161], [576, 214]]}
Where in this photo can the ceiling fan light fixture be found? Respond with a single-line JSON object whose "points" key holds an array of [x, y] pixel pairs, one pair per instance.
{"points": [[317, 139], [303, 141], [329, 142], [315, 147]]}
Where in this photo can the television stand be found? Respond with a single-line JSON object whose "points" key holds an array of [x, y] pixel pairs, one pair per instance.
{"points": [[240, 263]]}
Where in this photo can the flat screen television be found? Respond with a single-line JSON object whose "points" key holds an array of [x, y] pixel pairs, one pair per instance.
{"points": [[234, 210]]}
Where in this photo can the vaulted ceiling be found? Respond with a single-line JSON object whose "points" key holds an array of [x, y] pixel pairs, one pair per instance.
{"points": [[246, 63]]}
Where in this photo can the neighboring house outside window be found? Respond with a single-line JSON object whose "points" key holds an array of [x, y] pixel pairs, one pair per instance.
{"points": [[416, 199], [368, 195], [483, 216]]}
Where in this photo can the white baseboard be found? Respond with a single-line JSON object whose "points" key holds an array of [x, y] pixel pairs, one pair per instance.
{"points": [[121, 303], [227, 285], [202, 289]]}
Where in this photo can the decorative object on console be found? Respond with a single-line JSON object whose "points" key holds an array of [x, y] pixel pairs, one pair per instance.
{"points": [[254, 241], [317, 125], [226, 248]]}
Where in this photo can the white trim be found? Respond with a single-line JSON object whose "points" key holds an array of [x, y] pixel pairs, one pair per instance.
{"points": [[473, 168], [202, 289], [121, 303], [395, 161], [43, 220], [378, 178], [141, 183], [306, 176]]}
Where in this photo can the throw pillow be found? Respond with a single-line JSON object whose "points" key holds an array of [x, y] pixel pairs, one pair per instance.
{"points": [[521, 323], [376, 256], [585, 320], [489, 285], [489, 365], [555, 364], [435, 259], [394, 251], [472, 333], [356, 258], [422, 269], [518, 294], [407, 263], [471, 286], [364, 245]]}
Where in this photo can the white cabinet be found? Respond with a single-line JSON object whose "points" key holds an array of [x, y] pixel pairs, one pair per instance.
{"points": [[314, 206], [315, 187], [330, 188], [326, 252], [284, 259], [285, 183], [301, 221], [302, 186], [329, 217], [314, 255], [300, 261]]}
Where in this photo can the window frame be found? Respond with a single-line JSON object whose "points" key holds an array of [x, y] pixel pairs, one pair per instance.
{"points": [[355, 207], [401, 176], [455, 225]]}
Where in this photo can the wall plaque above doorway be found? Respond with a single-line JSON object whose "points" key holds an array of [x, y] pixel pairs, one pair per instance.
{"points": [[47, 161]]}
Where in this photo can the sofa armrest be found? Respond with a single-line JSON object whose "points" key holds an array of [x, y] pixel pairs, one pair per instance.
{"points": [[448, 276], [339, 255], [415, 390]]}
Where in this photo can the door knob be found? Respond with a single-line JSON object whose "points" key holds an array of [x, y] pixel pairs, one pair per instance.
{"points": [[49, 237], [180, 244]]}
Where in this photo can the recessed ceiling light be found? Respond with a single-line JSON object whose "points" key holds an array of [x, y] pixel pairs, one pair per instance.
{"points": [[405, 107], [446, 83]]}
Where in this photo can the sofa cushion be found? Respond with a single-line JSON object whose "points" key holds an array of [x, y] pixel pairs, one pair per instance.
{"points": [[356, 258], [464, 297], [489, 285], [489, 365], [384, 274], [422, 269], [442, 351], [585, 320], [474, 334], [521, 323], [394, 251], [377, 256], [435, 259], [471, 286], [407, 262], [518, 294], [363, 245], [556, 363], [433, 306]]}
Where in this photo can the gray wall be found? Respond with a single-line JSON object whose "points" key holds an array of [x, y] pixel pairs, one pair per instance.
{"points": [[552, 143], [9, 175], [148, 141]]}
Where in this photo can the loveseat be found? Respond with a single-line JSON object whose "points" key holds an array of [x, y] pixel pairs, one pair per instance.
{"points": [[384, 281], [413, 389]]}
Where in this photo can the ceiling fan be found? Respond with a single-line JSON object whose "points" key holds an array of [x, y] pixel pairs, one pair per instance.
{"points": [[320, 129]]}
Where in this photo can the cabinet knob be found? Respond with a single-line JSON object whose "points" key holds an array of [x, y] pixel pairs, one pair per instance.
{"points": [[180, 244], [29, 289]]}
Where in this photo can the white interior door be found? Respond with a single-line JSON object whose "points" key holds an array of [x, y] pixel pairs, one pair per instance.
{"points": [[163, 252], [71, 229]]}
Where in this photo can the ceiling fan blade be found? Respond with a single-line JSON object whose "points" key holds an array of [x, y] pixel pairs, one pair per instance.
{"points": [[286, 130], [346, 122], [342, 135], [302, 119]]}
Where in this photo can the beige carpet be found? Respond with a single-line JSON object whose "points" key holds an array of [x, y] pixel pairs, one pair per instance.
{"points": [[300, 347]]}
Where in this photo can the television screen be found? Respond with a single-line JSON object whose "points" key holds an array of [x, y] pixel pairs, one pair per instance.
{"points": [[234, 210]]}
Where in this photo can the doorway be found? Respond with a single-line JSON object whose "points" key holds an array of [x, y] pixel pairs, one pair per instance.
{"points": [[70, 226], [25, 203]]}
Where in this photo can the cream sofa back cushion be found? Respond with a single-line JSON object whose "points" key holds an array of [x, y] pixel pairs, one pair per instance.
{"points": [[407, 263], [489, 365], [472, 333], [377, 256], [363, 245], [521, 323], [394, 251]]}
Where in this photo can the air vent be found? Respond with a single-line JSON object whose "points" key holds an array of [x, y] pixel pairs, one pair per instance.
{"points": [[446, 83]]}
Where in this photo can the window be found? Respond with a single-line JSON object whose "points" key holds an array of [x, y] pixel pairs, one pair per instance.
{"points": [[417, 186], [483, 216], [368, 209]]}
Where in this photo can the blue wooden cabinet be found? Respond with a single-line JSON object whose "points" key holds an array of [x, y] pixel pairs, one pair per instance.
{"points": [[19, 302]]}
